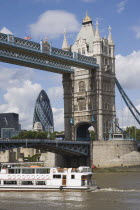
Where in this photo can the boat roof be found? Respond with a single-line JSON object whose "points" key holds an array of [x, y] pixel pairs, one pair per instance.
{"points": [[17, 167]]}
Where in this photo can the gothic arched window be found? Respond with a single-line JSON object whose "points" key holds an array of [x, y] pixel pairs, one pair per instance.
{"points": [[83, 51], [82, 86], [79, 51]]}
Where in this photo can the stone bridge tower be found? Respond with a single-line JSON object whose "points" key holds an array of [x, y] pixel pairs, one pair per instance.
{"points": [[89, 95]]}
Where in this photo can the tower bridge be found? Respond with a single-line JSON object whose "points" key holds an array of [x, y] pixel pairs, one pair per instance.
{"points": [[88, 69]]}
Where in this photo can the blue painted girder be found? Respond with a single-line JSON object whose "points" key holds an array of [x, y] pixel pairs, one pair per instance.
{"points": [[76, 148], [31, 59], [21, 52]]}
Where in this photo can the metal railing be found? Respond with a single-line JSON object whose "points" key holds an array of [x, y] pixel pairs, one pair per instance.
{"points": [[10, 39]]}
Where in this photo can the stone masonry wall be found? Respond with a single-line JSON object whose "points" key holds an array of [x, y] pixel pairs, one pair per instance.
{"points": [[115, 154]]}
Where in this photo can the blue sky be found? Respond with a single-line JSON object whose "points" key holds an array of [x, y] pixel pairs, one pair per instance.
{"points": [[20, 86]]}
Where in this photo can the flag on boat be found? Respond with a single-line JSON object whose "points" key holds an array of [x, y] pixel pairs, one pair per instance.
{"points": [[27, 37]]}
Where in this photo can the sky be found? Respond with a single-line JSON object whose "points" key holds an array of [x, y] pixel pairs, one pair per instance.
{"points": [[20, 86]]}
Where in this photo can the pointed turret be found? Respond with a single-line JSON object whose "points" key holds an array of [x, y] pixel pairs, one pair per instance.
{"points": [[97, 34], [111, 43], [97, 44], [87, 19], [110, 40], [85, 37], [65, 45]]}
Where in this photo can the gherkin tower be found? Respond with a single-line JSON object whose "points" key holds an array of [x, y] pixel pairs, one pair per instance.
{"points": [[43, 112]]}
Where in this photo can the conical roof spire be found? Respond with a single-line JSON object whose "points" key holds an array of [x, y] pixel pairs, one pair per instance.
{"points": [[110, 40], [97, 34], [65, 45], [87, 19]]}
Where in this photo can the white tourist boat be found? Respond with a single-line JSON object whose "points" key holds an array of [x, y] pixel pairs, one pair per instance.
{"points": [[46, 178]]}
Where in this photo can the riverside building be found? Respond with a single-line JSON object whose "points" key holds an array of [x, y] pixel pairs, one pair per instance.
{"points": [[9, 125]]}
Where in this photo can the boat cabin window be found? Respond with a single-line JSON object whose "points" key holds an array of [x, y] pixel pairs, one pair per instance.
{"points": [[72, 176], [84, 177], [57, 176], [10, 182], [86, 170], [40, 183], [26, 183], [74, 170], [28, 170], [83, 180], [42, 170], [14, 171]]}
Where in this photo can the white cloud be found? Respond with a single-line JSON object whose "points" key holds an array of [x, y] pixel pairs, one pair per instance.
{"points": [[58, 119], [4, 30], [136, 29], [128, 69], [51, 24], [55, 93], [10, 77], [21, 100], [121, 6]]}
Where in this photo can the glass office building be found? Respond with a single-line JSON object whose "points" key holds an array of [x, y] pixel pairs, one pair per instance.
{"points": [[9, 122], [43, 112]]}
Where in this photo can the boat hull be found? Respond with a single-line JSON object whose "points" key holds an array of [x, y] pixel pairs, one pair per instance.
{"points": [[45, 188]]}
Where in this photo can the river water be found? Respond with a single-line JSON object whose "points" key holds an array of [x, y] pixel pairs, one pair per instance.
{"points": [[119, 191]]}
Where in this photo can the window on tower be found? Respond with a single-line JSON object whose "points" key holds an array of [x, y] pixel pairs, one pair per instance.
{"points": [[87, 48], [109, 50], [79, 51], [75, 107], [83, 50], [105, 49], [82, 86], [82, 105], [105, 61]]}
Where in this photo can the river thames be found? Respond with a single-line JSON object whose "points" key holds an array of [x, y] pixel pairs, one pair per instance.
{"points": [[119, 191]]}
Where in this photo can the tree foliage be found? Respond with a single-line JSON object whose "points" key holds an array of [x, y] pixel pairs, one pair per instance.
{"points": [[34, 158], [92, 135], [133, 132], [35, 135]]}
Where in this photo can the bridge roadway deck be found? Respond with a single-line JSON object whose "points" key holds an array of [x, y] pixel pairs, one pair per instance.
{"points": [[76, 148], [18, 51]]}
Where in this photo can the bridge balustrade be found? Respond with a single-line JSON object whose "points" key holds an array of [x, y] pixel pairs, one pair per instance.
{"points": [[56, 51], [35, 59], [38, 46], [86, 59], [3, 37], [29, 44]]}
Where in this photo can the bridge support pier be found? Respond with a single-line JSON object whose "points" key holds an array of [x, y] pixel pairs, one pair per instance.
{"points": [[75, 162], [71, 162], [67, 86]]}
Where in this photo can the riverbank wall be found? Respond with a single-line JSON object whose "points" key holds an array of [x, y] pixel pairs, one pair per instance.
{"points": [[119, 153]]}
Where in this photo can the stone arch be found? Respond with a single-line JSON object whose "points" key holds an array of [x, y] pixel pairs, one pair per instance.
{"points": [[82, 132], [82, 86]]}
